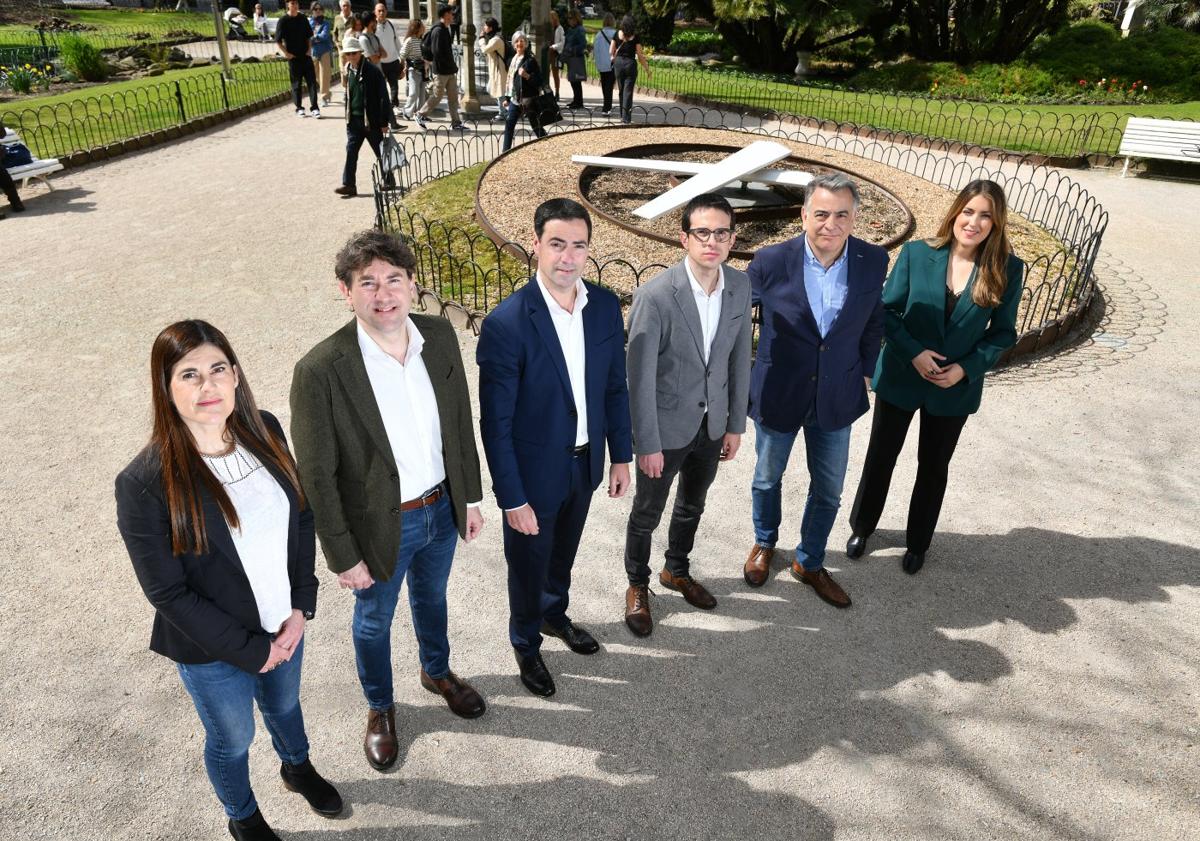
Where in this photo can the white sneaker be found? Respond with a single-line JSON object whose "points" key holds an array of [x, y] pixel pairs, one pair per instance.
{"points": [[315, 112], [300, 112]]}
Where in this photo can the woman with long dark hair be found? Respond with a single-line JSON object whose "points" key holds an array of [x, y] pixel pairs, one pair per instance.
{"points": [[950, 308], [626, 52], [221, 539]]}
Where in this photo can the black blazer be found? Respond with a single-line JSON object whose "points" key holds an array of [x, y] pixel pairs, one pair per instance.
{"points": [[527, 88], [376, 102], [204, 607]]}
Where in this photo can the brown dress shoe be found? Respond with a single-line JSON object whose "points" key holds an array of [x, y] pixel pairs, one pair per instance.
{"points": [[460, 696], [693, 591], [637, 610], [380, 743], [824, 585], [758, 566]]}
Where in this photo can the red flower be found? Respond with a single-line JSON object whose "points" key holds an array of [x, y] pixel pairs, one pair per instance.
{"points": [[1083, 81]]}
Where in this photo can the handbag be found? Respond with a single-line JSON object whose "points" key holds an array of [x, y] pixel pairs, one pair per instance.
{"points": [[545, 107], [391, 154], [15, 155], [576, 69]]}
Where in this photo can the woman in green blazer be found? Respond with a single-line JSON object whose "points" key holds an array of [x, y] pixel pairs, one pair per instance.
{"points": [[950, 308]]}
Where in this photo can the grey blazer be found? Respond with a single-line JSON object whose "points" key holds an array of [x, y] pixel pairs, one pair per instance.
{"points": [[670, 387]]}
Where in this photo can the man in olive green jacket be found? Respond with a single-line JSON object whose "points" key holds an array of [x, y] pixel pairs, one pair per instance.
{"points": [[385, 447]]}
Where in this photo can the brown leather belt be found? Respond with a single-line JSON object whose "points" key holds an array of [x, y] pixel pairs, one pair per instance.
{"points": [[429, 499]]}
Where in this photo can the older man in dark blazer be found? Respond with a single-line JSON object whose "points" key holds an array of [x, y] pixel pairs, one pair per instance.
{"points": [[689, 379], [822, 327], [385, 445], [552, 395]]}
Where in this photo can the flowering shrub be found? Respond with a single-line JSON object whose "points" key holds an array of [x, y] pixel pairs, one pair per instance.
{"points": [[24, 78]]}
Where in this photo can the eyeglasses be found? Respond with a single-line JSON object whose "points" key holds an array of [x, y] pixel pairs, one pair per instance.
{"points": [[704, 234]]}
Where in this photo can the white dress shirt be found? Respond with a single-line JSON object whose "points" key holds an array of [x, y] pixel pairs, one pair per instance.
{"points": [[404, 395], [708, 306], [261, 540], [569, 327]]}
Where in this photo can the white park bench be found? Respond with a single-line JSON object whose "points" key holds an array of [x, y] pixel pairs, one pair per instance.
{"points": [[39, 169], [1168, 140]]}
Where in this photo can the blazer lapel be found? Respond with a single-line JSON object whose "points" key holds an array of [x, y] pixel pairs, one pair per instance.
{"points": [[539, 316], [935, 286], [438, 365], [353, 375], [964, 304], [686, 301]]}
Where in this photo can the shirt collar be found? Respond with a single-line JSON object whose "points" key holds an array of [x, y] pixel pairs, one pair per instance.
{"points": [[697, 289], [581, 296], [812, 260], [370, 349]]}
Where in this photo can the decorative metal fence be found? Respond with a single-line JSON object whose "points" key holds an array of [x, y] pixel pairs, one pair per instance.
{"points": [[470, 274], [95, 123]]}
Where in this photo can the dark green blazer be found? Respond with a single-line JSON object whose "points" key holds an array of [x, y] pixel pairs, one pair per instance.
{"points": [[343, 455], [914, 308]]}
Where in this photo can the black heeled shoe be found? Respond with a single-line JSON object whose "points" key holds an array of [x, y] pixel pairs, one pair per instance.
{"points": [[913, 561], [856, 546]]}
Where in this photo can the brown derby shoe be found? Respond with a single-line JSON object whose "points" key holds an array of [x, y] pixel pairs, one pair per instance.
{"points": [[461, 697], [822, 582], [693, 591], [380, 742], [758, 566], [637, 610]]}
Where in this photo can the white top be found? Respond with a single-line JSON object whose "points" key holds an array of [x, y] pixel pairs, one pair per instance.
{"points": [[404, 395], [262, 538], [709, 306], [569, 327], [560, 40], [389, 39]]}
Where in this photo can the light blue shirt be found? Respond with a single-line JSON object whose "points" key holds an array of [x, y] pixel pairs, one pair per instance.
{"points": [[600, 49], [826, 288]]}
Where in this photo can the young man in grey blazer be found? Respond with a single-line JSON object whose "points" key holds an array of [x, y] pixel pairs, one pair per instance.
{"points": [[689, 383]]}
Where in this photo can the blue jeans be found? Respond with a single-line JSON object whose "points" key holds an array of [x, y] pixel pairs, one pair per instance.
{"points": [[224, 696], [428, 537], [828, 454], [512, 117]]}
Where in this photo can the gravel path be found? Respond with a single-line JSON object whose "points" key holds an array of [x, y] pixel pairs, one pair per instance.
{"points": [[1037, 680]]}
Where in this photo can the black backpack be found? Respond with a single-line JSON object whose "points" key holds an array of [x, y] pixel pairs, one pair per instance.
{"points": [[509, 52], [427, 44]]}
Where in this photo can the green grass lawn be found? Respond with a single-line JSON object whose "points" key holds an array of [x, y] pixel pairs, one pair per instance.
{"points": [[59, 124]]}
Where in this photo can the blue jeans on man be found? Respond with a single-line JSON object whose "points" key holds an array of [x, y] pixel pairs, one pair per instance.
{"points": [[428, 538], [827, 453], [224, 696]]}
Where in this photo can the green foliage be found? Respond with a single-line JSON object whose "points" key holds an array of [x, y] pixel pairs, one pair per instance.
{"points": [[655, 22], [513, 12], [1184, 14], [694, 42], [82, 58], [25, 77]]}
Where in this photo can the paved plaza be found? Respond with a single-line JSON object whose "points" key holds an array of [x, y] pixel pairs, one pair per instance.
{"points": [[1037, 680]]}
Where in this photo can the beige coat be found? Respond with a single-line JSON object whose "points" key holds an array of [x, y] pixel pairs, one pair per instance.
{"points": [[493, 50]]}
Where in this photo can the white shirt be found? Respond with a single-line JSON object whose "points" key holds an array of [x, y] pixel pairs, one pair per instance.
{"points": [[569, 327], [389, 40], [404, 395], [261, 539], [708, 306]]}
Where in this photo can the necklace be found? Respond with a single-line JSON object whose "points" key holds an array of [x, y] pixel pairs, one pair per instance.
{"points": [[229, 448]]}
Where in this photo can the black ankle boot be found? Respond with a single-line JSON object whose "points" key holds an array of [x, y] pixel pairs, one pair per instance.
{"points": [[253, 828], [304, 779]]}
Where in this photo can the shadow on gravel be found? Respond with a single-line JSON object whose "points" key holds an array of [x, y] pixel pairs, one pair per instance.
{"points": [[670, 736], [59, 200]]}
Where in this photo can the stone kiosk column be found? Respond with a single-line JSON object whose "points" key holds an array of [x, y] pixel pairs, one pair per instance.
{"points": [[539, 18], [470, 102]]}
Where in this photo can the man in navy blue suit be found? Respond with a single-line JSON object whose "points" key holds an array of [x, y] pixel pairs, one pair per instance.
{"points": [[552, 394], [822, 325]]}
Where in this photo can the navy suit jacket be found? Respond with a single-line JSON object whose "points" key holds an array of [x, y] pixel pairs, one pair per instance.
{"points": [[795, 366], [527, 412]]}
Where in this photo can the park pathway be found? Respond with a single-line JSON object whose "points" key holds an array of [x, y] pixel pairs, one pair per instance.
{"points": [[1037, 680]]}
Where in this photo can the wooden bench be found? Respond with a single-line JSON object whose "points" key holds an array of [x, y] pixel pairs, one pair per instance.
{"points": [[1168, 140], [39, 169]]}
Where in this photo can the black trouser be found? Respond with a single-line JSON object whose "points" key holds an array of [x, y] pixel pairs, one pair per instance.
{"points": [[356, 133], [935, 447], [626, 71], [576, 93], [391, 72], [696, 465], [300, 69], [607, 78], [9, 187]]}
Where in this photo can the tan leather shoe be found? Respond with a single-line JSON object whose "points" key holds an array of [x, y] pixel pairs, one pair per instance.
{"points": [[758, 566], [637, 610], [461, 697], [693, 591], [824, 585], [380, 742]]}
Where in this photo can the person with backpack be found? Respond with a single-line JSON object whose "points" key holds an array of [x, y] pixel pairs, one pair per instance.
{"points": [[602, 53], [438, 47], [491, 45], [415, 70]]}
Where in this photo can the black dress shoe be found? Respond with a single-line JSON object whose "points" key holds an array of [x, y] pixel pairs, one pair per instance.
{"points": [[535, 675], [576, 638], [304, 780], [913, 561], [253, 828], [855, 546]]}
